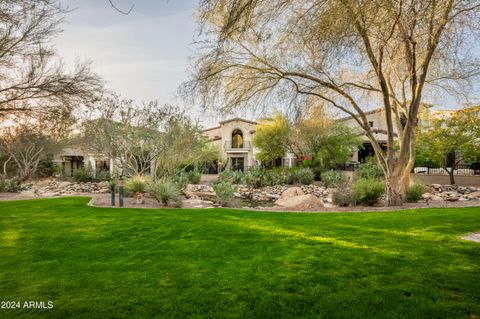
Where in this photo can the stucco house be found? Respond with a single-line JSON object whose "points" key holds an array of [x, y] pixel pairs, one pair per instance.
{"points": [[70, 159], [233, 138]]}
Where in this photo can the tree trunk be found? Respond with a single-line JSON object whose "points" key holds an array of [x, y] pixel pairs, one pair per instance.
{"points": [[451, 175], [395, 190]]}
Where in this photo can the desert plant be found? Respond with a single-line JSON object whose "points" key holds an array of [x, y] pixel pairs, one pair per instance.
{"points": [[333, 179], [368, 190], [370, 170], [137, 184], [225, 192], [234, 177], [303, 175], [166, 192], [181, 179], [194, 176], [103, 175], [280, 176], [414, 193], [83, 175], [343, 197], [259, 176]]}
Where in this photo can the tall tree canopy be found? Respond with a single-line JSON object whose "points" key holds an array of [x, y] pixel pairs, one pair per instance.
{"points": [[351, 54], [272, 138]]}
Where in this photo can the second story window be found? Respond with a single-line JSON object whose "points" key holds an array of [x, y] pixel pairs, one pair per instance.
{"points": [[370, 123], [237, 139]]}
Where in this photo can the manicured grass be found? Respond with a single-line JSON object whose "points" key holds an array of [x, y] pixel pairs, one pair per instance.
{"points": [[111, 263]]}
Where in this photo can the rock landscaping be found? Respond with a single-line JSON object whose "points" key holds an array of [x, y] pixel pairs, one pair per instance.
{"points": [[281, 197], [52, 188]]}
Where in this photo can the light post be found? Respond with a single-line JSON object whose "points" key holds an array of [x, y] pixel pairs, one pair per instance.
{"points": [[112, 190], [120, 191]]}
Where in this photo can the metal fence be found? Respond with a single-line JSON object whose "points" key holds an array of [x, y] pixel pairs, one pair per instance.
{"points": [[461, 169]]}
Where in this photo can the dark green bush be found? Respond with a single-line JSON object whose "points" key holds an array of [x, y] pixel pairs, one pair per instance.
{"points": [[83, 175], [11, 185], [368, 190], [302, 175], [333, 179], [414, 193]]}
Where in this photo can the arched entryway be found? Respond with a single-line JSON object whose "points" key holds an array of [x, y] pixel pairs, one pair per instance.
{"points": [[237, 139]]}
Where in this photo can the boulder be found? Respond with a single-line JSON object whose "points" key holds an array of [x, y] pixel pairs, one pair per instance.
{"points": [[301, 202], [474, 195], [436, 198], [292, 192]]}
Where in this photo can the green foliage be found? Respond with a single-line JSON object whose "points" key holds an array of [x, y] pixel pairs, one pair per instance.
{"points": [[258, 176], [181, 179], [447, 141], [302, 175], [368, 190], [166, 191], [234, 177], [414, 193], [333, 179], [281, 176], [137, 184], [83, 175], [10, 185], [271, 137], [225, 192], [327, 142], [103, 175], [370, 170], [343, 197], [194, 176]]}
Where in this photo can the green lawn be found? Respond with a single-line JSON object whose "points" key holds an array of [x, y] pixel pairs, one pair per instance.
{"points": [[102, 263]]}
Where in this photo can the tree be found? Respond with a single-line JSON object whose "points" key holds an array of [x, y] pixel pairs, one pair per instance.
{"points": [[448, 141], [32, 80], [328, 142], [271, 137], [351, 54], [144, 139], [26, 145]]}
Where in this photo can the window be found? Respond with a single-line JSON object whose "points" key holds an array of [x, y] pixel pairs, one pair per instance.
{"points": [[237, 139], [370, 123]]}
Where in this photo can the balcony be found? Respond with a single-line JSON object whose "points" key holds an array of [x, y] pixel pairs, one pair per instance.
{"points": [[229, 147]]}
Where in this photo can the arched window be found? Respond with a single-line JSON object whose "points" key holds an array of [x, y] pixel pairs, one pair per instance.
{"points": [[237, 139]]}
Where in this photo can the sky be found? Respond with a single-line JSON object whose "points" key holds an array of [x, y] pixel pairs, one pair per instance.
{"points": [[144, 55]]}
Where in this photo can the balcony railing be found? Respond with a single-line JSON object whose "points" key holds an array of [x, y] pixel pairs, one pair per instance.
{"points": [[230, 147]]}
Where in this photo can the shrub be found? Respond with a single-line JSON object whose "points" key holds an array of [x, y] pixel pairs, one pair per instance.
{"points": [[194, 176], [343, 197], [234, 177], [83, 175], [333, 179], [137, 184], [368, 190], [370, 170], [181, 179], [11, 185], [280, 176], [303, 175], [103, 175], [166, 191], [225, 192], [414, 193]]}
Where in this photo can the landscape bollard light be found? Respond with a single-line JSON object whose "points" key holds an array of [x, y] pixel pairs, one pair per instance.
{"points": [[120, 191], [112, 188]]}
